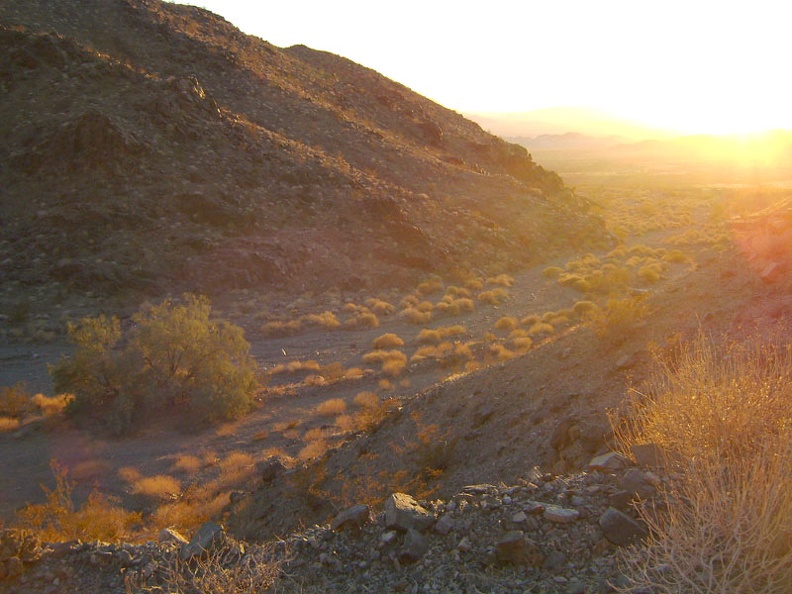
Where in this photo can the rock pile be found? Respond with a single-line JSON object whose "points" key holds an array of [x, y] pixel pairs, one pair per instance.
{"points": [[546, 533]]}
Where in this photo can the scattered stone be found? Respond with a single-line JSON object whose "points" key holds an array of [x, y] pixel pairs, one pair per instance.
{"points": [[413, 548], [554, 561], [621, 529], [209, 535], [519, 517], [445, 524], [638, 483], [270, 469], [610, 462], [403, 513], [514, 547], [560, 515], [169, 535], [354, 517]]}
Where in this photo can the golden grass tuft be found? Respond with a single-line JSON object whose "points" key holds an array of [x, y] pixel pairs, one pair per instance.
{"points": [[51, 406], [160, 486], [507, 323], [388, 341], [493, 297], [331, 407], [326, 320], [8, 424], [187, 463], [411, 315], [380, 306]]}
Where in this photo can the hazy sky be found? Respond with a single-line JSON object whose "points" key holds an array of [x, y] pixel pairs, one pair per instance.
{"points": [[692, 65]]}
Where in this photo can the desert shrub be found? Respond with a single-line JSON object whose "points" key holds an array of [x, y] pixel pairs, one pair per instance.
{"points": [[428, 336], [412, 315], [392, 362], [508, 323], [366, 400], [722, 414], [619, 317], [279, 329], [493, 297], [50, 406], [380, 306], [9, 424], [552, 272], [530, 320], [503, 280], [430, 286], [331, 408], [15, 401], [521, 343], [220, 570], [362, 319], [676, 257], [583, 308], [174, 354], [474, 284], [388, 341], [326, 320], [500, 352], [60, 520], [540, 328]]}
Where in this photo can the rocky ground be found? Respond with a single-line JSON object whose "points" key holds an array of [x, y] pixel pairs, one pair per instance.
{"points": [[546, 533]]}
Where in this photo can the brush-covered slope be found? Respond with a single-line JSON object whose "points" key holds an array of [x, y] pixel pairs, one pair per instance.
{"points": [[154, 146]]}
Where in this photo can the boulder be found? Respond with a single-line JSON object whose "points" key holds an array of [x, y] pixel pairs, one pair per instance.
{"points": [[514, 547], [403, 513]]}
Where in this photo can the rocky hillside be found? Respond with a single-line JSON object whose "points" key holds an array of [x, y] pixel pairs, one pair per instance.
{"points": [[152, 146]]}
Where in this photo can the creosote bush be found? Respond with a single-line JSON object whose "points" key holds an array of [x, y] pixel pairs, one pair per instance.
{"points": [[173, 354]]}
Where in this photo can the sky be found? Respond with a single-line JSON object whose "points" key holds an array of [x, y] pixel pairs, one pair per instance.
{"points": [[692, 66]]}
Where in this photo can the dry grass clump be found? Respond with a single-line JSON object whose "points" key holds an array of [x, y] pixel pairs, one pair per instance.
{"points": [[415, 316], [507, 323], [362, 319], [540, 328], [521, 343], [500, 352], [504, 280], [326, 320], [380, 306], [392, 362], [187, 463], [388, 341], [160, 486], [331, 408], [15, 401], [8, 424], [722, 413], [619, 317], [455, 303], [437, 351], [583, 308], [281, 328], [430, 286], [50, 406], [552, 272], [60, 520], [493, 297]]}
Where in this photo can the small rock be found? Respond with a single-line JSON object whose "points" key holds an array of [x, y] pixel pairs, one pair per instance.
{"points": [[270, 469], [638, 483], [514, 547], [554, 560], [414, 547], [519, 517], [621, 529], [610, 462], [101, 558], [560, 515], [388, 537], [445, 524], [354, 517], [208, 535], [465, 545], [169, 535]]}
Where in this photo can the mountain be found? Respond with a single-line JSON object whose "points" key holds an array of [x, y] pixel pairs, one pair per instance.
{"points": [[151, 146], [558, 121]]}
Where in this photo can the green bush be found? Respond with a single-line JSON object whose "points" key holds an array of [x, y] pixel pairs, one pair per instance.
{"points": [[174, 354]]}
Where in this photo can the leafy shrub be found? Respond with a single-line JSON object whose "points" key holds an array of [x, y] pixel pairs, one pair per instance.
{"points": [[174, 354]]}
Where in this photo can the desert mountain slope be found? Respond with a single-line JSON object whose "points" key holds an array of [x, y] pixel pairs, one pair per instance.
{"points": [[154, 146]]}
